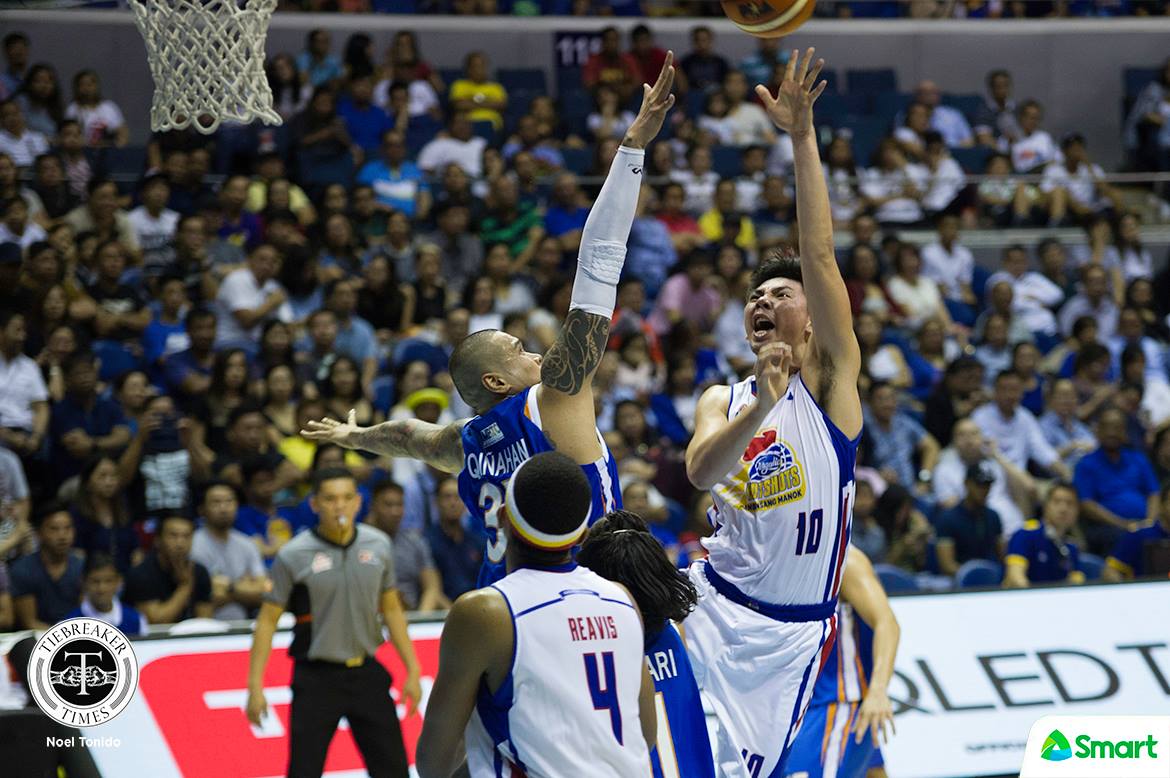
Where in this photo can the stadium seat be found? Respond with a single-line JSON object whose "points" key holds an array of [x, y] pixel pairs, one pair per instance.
{"points": [[127, 161], [523, 80], [972, 160], [895, 580], [420, 131], [450, 75], [968, 104], [830, 76], [577, 161], [1135, 79], [835, 108], [871, 80], [695, 102], [318, 171], [395, 6], [568, 79], [979, 572], [888, 106], [1091, 565], [726, 160], [576, 104], [868, 132]]}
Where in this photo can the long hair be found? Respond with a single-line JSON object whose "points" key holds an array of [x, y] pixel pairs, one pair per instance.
{"points": [[52, 103], [620, 547]]}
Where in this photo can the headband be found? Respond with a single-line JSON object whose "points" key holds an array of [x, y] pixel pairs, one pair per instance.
{"points": [[545, 541]]}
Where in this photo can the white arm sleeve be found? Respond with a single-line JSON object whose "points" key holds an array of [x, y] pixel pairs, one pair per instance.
{"points": [[603, 240]]}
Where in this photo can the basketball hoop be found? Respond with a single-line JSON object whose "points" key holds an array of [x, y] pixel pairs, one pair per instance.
{"points": [[207, 61]]}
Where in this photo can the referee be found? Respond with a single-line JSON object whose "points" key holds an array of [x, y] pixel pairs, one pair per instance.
{"points": [[336, 579]]}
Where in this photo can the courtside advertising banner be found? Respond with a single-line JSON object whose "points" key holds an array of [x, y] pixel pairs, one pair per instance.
{"points": [[975, 672]]}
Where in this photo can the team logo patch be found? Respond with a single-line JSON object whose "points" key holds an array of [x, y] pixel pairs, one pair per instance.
{"points": [[365, 556], [321, 562], [771, 475], [83, 672], [491, 435]]}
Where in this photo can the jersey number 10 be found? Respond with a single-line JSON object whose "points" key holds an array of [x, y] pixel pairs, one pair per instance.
{"points": [[808, 532]]}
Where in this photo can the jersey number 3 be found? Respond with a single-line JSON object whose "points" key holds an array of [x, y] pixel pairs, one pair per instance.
{"points": [[491, 502], [604, 698]]}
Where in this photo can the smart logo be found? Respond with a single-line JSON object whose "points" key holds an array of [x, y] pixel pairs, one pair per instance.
{"points": [[1056, 747]]}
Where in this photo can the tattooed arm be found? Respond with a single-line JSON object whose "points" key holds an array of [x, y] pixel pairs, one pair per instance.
{"points": [[437, 445], [565, 395]]}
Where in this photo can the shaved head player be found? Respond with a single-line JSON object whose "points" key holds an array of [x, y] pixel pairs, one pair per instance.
{"points": [[778, 452], [527, 403]]}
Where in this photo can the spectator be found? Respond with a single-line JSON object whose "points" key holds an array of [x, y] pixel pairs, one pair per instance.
{"points": [[1034, 148], [84, 424], [17, 140], [724, 224], [237, 574], [15, 508], [1116, 484], [868, 535], [397, 182], [169, 586], [958, 393], [909, 532], [897, 441], [995, 121], [418, 581], [715, 125], [101, 516], [246, 438], [683, 228], [248, 297], [844, 178], [290, 87], [318, 132], [50, 185], [688, 296], [122, 312], [101, 582], [701, 69], [774, 217], [460, 145], [951, 265], [16, 50], [155, 226], [365, 121], [16, 226], [1033, 295], [1131, 255], [316, 64], [46, 585], [1130, 333], [1043, 551], [948, 122], [1071, 438], [509, 221], [101, 215], [608, 119], [102, 123], [1093, 300], [881, 362], [482, 99], [1075, 185], [917, 296], [1004, 202], [911, 136], [647, 56], [946, 184], [529, 141], [970, 529], [611, 68], [651, 252], [188, 373], [457, 553], [1013, 486], [749, 124], [565, 217], [1127, 559], [1147, 127], [698, 180], [758, 66], [894, 186], [1014, 429]]}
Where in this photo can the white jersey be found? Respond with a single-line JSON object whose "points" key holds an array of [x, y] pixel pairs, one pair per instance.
{"points": [[782, 518], [569, 707]]}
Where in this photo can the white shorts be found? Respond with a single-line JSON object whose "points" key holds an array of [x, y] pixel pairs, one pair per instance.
{"points": [[758, 674]]}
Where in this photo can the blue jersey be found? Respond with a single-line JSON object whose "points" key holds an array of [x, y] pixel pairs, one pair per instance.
{"points": [[684, 748], [1045, 560], [494, 445], [825, 746]]}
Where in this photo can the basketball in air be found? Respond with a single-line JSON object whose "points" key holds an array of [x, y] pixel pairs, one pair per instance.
{"points": [[768, 18]]}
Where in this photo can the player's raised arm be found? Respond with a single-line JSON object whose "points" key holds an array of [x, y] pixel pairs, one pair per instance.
{"points": [[566, 400], [836, 356], [437, 445], [476, 647], [861, 588]]}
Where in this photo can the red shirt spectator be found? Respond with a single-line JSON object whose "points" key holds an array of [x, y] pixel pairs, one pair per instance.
{"points": [[611, 66]]}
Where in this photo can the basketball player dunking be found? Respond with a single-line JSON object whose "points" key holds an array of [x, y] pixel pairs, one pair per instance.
{"points": [[526, 403], [778, 453]]}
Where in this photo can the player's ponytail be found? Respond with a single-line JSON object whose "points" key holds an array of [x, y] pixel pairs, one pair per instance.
{"points": [[620, 547]]}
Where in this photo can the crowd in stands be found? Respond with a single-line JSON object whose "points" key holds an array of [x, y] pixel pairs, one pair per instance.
{"points": [[163, 339]]}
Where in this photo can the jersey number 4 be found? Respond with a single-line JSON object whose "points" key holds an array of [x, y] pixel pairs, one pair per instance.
{"points": [[808, 532], [491, 502], [604, 697]]}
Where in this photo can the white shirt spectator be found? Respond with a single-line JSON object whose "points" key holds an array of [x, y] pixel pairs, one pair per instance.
{"points": [[700, 190], [1156, 402], [617, 129], [441, 152], [879, 184], [919, 301], [951, 125], [240, 292], [729, 333], [1034, 296], [722, 129], [32, 233], [748, 193], [24, 149], [950, 485], [235, 558], [782, 157], [844, 197], [1105, 312], [1134, 264], [943, 185], [1019, 438], [1034, 151], [420, 96], [156, 236], [96, 122], [951, 270], [1154, 353], [1081, 184], [750, 125], [21, 385]]}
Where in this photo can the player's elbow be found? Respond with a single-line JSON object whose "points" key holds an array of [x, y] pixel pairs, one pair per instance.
{"points": [[699, 472]]}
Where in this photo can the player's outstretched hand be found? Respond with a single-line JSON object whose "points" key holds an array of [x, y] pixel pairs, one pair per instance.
{"points": [[791, 109], [656, 101], [875, 713], [333, 431], [772, 365]]}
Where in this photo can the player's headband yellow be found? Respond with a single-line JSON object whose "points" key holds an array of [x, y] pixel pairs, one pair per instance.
{"points": [[545, 541]]}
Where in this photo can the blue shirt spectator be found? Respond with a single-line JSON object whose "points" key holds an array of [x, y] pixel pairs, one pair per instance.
{"points": [[365, 121], [650, 253], [42, 598], [319, 66], [559, 220], [1128, 557], [457, 550], [1060, 426], [163, 338], [1115, 481], [895, 439], [82, 423], [397, 183], [970, 530], [1041, 551]]}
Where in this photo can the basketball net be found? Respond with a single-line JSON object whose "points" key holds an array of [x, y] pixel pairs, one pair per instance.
{"points": [[207, 61]]}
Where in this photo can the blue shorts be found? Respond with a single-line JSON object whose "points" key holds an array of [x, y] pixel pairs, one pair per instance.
{"points": [[826, 748]]}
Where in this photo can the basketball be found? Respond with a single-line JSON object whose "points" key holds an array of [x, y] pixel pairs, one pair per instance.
{"points": [[768, 18]]}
